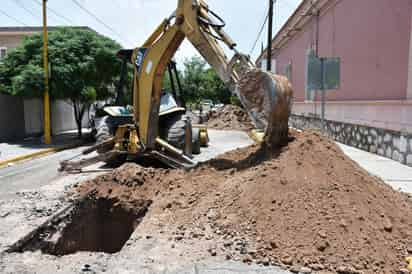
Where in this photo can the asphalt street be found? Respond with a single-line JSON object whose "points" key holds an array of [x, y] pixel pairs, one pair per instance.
{"points": [[35, 173], [32, 174]]}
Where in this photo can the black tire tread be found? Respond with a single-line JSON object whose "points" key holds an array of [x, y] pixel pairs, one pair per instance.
{"points": [[175, 131], [196, 141]]}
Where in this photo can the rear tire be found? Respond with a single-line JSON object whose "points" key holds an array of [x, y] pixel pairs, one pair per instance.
{"points": [[103, 133], [175, 131]]}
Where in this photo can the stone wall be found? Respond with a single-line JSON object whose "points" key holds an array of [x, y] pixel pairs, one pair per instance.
{"points": [[391, 144]]}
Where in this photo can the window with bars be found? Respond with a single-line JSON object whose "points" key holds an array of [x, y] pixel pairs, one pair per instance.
{"points": [[288, 71], [3, 52]]}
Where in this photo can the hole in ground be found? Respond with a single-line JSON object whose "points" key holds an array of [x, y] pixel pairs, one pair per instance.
{"points": [[94, 225]]}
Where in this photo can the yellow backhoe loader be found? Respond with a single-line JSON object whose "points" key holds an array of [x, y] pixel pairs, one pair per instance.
{"points": [[266, 97]]}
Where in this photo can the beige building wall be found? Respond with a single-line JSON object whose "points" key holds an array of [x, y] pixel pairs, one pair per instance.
{"points": [[10, 41]]}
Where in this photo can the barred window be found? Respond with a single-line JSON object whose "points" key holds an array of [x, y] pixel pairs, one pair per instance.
{"points": [[3, 52], [288, 71]]}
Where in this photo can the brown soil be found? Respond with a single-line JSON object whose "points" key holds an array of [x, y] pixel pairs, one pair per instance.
{"points": [[305, 206], [230, 117], [268, 99]]}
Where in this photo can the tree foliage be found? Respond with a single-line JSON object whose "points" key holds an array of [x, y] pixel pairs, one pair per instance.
{"points": [[200, 81], [84, 68]]}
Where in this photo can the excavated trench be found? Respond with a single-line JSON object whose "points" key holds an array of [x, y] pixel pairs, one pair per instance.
{"points": [[93, 225]]}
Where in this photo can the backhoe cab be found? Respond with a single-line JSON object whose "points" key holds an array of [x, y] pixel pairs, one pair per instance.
{"points": [[115, 123]]}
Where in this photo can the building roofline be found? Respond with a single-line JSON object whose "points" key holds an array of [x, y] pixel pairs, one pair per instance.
{"points": [[33, 29], [299, 18]]}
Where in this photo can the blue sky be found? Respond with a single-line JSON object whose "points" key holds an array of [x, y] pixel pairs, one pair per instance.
{"points": [[134, 20]]}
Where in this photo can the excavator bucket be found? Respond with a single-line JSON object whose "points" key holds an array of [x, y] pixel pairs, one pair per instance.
{"points": [[268, 100]]}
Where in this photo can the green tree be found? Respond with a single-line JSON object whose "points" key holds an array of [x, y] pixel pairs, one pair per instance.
{"points": [[200, 81], [84, 68], [215, 88]]}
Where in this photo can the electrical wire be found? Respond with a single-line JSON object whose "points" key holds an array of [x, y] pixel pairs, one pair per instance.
{"points": [[70, 22], [18, 3], [99, 20], [277, 12], [13, 18], [259, 34]]}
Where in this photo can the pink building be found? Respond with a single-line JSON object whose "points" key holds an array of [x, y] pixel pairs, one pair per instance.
{"points": [[373, 38]]}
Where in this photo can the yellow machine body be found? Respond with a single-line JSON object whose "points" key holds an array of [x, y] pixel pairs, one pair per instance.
{"points": [[157, 52], [193, 20]]}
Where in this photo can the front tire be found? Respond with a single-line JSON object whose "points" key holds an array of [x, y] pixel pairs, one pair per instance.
{"points": [[196, 141]]}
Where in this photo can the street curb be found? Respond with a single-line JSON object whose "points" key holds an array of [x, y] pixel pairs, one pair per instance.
{"points": [[38, 153]]}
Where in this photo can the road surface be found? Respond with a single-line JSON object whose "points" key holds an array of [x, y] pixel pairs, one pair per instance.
{"points": [[35, 173], [19, 215], [32, 174]]}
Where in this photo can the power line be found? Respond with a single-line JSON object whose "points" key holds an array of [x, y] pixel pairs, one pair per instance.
{"points": [[13, 18], [98, 20], [259, 34], [18, 3], [56, 13]]}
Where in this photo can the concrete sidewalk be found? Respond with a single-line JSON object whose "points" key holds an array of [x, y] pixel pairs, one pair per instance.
{"points": [[393, 173], [20, 150], [222, 141]]}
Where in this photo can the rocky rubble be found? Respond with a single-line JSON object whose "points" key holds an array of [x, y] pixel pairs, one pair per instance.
{"points": [[230, 117], [305, 207]]}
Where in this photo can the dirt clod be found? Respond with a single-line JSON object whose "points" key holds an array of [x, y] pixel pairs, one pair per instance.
{"points": [[403, 271], [287, 260], [230, 117], [388, 226], [315, 209], [317, 267], [305, 270], [347, 270]]}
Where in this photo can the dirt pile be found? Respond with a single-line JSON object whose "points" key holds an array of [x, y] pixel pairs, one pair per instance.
{"points": [[230, 117], [306, 207]]}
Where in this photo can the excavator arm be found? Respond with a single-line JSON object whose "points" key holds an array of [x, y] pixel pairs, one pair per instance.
{"points": [[266, 97]]}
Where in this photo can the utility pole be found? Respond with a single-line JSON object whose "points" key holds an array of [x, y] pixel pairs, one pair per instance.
{"points": [[46, 104], [270, 30], [322, 90]]}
